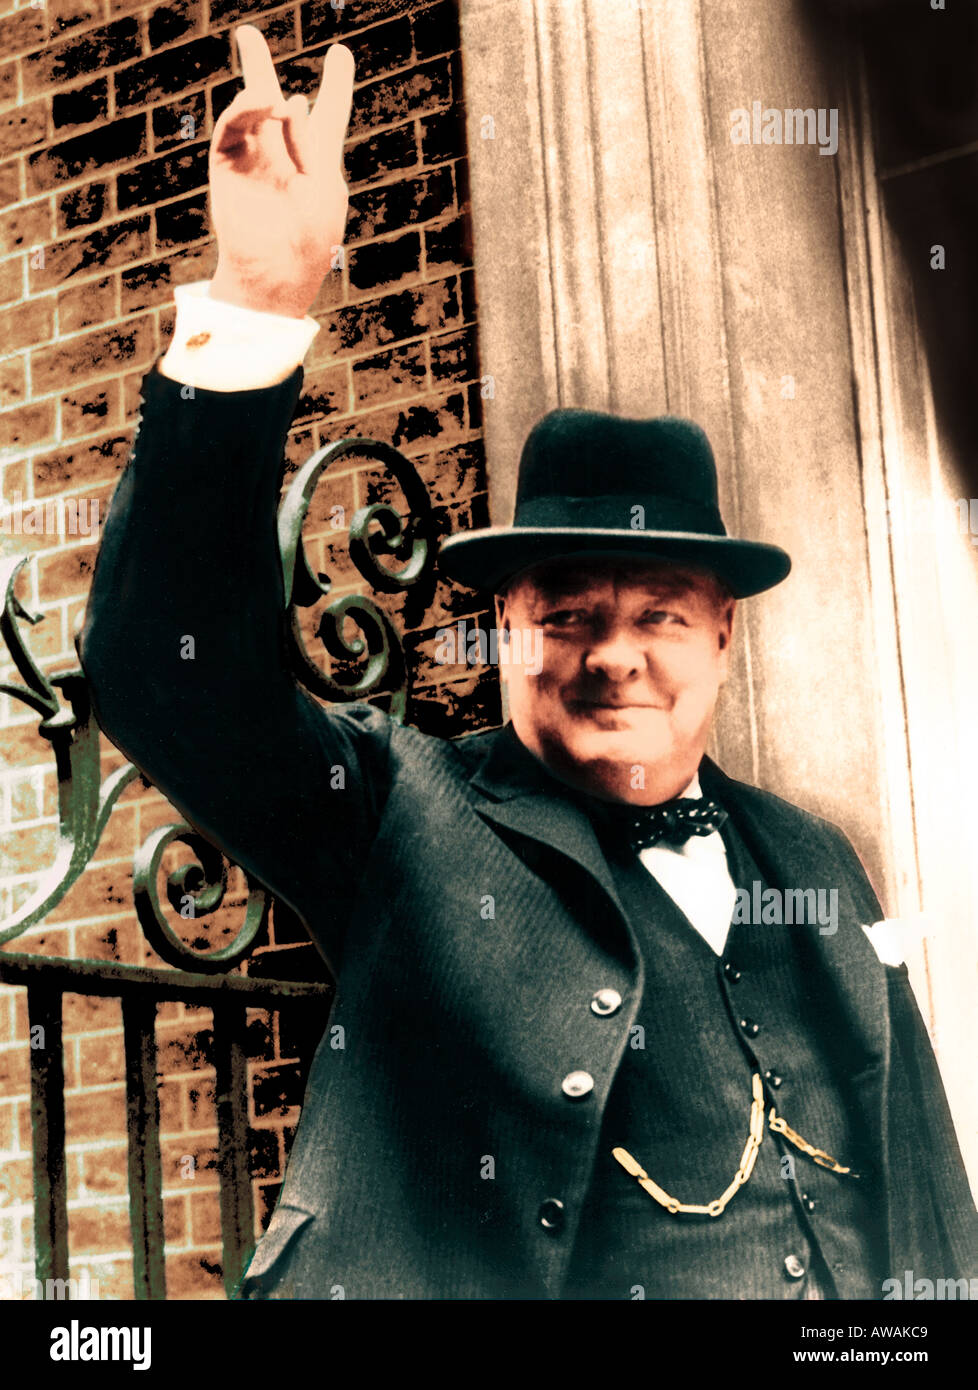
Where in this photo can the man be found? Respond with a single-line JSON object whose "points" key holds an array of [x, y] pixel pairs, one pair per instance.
{"points": [[575, 1065]]}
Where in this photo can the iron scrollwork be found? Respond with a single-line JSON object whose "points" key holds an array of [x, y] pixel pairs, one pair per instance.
{"points": [[66, 720]]}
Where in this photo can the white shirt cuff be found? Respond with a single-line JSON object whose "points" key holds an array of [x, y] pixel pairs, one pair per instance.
{"points": [[223, 347]]}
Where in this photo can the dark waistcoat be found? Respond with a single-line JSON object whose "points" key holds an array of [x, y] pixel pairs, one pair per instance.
{"points": [[681, 1106]]}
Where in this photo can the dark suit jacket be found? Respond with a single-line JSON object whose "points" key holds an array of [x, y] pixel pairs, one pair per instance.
{"points": [[459, 895]]}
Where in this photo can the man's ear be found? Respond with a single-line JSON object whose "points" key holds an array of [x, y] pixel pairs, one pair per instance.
{"points": [[502, 620], [725, 636]]}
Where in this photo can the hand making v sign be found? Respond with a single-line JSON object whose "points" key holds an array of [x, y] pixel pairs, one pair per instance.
{"points": [[278, 194]]}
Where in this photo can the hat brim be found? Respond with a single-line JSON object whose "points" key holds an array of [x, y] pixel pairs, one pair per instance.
{"points": [[487, 558]]}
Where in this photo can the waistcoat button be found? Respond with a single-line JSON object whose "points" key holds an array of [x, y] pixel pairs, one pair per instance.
{"points": [[606, 1001], [577, 1083], [773, 1079], [793, 1267], [750, 1027], [551, 1214], [731, 972]]}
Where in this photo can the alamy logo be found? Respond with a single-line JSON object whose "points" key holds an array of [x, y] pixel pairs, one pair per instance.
{"points": [[759, 906], [468, 644], [926, 1289], [793, 126], [55, 516]]}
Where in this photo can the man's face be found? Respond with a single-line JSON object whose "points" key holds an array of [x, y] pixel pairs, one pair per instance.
{"points": [[633, 657]]}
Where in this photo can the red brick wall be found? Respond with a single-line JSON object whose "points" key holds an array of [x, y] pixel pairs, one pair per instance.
{"points": [[106, 108]]}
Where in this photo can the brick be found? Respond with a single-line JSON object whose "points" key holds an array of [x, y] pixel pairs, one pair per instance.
{"points": [[385, 47], [382, 264], [194, 1274], [169, 73], [93, 354], [27, 323], [71, 14], [378, 322], [174, 21], [280, 31], [401, 371], [81, 106], [11, 279], [101, 1059], [87, 1013], [442, 136], [324, 393], [13, 381], [391, 99], [178, 123], [88, 52], [8, 82], [436, 30], [455, 356], [154, 282], [90, 409], [276, 1090], [448, 245], [374, 211], [179, 223], [389, 152], [104, 1171], [79, 257], [22, 31], [10, 182], [27, 426], [27, 225], [115, 143], [81, 206], [230, 11], [414, 428], [176, 1221], [81, 466], [98, 1229], [85, 306], [321, 21], [161, 178], [23, 127]]}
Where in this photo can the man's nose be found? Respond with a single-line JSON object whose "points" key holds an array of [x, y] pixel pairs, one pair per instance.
{"points": [[616, 656]]}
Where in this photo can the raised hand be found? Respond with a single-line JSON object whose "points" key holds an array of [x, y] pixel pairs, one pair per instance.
{"points": [[278, 195]]}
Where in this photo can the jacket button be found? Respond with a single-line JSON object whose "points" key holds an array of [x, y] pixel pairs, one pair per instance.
{"points": [[606, 1001], [731, 972], [773, 1079], [793, 1267], [551, 1214], [577, 1083], [750, 1027], [809, 1203]]}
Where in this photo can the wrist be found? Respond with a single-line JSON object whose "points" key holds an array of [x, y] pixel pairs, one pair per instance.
{"points": [[260, 295]]}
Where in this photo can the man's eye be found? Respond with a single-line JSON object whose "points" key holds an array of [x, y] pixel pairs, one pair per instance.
{"points": [[658, 616], [563, 617]]}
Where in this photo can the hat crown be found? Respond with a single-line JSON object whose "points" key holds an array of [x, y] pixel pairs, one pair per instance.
{"points": [[589, 453]]}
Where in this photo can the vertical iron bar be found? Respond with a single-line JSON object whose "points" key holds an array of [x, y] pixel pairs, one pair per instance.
{"points": [[237, 1205], [145, 1163], [48, 1126]]}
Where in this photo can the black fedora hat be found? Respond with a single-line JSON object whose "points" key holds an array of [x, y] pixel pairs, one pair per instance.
{"points": [[594, 484]]}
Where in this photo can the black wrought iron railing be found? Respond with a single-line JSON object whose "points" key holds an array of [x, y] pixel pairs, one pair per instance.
{"points": [[394, 554]]}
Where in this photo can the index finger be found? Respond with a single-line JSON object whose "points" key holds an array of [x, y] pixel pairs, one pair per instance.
{"points": [[257, 68], [331, 113]]}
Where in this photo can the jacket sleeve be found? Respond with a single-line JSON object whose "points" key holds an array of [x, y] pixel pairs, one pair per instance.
{"points": [[932, 1207], [184, 648]]}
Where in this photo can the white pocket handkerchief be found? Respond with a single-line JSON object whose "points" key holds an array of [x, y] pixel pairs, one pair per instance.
{"points": [[889, 938]]}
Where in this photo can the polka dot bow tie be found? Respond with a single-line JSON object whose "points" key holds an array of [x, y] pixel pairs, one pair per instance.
{"points": [[672, 822]]}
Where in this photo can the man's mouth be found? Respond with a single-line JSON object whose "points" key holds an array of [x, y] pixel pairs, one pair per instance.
{"points": [[587, 703]]}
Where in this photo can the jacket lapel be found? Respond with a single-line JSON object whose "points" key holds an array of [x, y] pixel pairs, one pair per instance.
{"points": [[521, 796]]}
